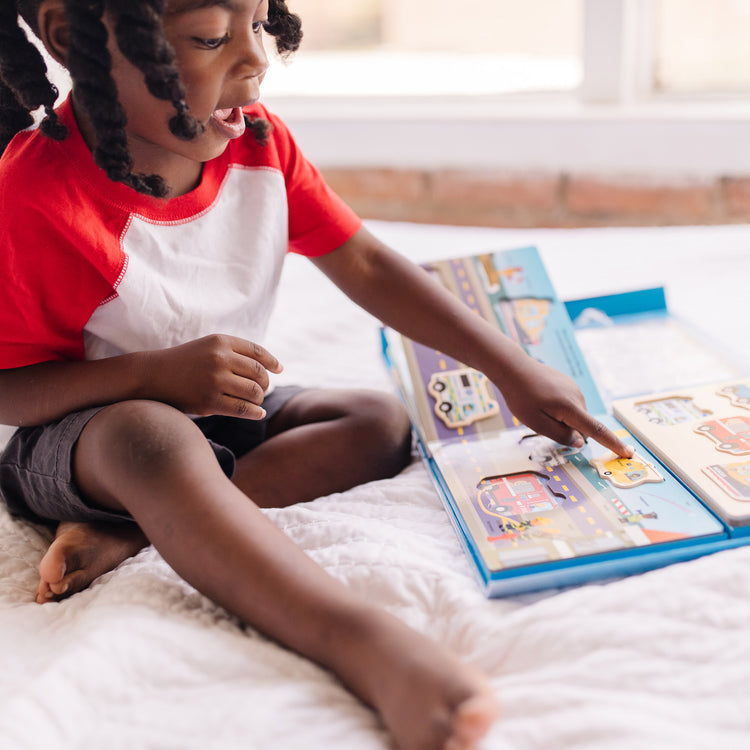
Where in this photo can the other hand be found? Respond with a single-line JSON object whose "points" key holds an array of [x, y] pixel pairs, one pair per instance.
{"points": [[216, 374]]}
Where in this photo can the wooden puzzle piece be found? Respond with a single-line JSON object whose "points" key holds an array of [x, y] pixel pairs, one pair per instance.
{"points": [[733, 478], [625, 473], [738, 394], [524, 319], [462, 396], [730, 434], [670, 410]]}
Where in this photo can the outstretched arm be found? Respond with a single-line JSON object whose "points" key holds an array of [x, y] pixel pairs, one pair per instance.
{"points": [[407, 299]]}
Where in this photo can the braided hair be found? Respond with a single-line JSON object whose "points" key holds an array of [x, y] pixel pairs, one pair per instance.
{"points": [[25, 86]]}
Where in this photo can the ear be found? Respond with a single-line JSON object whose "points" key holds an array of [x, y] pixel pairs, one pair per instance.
{"points": [[53, 29]]}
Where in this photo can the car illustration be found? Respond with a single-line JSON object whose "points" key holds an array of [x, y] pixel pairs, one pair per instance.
{"points": [[738, 394], [730, 434], [625, 472], [462, 396]]}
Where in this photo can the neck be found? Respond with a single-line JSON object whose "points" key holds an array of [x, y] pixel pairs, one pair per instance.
{"points": [[181, 178]]}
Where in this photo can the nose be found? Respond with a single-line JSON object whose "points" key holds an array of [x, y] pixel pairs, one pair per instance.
{"points": [[252, 61]]}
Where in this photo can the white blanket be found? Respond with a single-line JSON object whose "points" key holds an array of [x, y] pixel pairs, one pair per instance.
{"points": [[660, 660]]}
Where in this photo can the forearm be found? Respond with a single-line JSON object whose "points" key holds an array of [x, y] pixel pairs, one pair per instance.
{"points": [[47, 391], [406, 298]]}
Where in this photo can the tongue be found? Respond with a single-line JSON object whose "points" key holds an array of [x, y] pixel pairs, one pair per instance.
{"points": [[223, 114]]}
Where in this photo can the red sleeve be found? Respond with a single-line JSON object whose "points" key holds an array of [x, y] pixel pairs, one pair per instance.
{"points": [[319, 221], [50, 284]]}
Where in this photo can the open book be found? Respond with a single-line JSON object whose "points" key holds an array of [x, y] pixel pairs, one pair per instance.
{"points": [[533, 514]]}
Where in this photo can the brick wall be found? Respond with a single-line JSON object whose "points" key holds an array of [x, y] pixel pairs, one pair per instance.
{"points": [[489, 198]]}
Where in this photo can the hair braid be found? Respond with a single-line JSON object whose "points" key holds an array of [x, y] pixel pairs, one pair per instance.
{"points": [[90, 66], [14, 117], [23, 81], [140, 37], [285, 26]]}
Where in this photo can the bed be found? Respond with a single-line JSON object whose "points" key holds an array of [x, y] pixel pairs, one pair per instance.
{"points": [[660, 660]]}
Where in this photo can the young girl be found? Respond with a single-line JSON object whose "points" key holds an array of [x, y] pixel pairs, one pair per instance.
{"points": [[143, 227]]}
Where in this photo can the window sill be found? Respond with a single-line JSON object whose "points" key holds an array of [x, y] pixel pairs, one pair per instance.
{"points": [[544, 133]]}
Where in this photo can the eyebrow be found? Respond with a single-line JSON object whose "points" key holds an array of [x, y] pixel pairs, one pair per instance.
{"points": [[186, 6]]}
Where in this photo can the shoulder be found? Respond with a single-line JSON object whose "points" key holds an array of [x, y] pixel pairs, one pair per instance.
{"points": [[48, 212], [29, 164]]}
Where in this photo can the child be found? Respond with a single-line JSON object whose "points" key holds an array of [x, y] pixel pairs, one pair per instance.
{"points": [[142, 231]]}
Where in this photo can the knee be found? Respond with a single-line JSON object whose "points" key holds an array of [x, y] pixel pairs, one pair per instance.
{"points": [[138, 438], [383, 430]]}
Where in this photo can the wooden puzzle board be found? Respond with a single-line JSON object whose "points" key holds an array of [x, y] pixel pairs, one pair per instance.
{"points": [[703, 435]]}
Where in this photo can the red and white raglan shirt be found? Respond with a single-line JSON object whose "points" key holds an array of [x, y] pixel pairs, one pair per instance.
{"points": [[91, 268]]}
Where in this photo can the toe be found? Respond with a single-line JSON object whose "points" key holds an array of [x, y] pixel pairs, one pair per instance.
{"points": [[42, 592]]}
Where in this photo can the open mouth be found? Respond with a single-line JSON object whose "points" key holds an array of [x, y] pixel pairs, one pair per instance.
{"points": [[231, 121]]}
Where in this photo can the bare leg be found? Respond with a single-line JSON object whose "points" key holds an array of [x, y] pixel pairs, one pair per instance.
{"points": [[326, 441], [152, 461], [322, 441]]}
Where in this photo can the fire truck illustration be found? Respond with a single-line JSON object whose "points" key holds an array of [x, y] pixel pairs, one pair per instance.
{"points": [[462, 396], [514, 494], [730, 434]]}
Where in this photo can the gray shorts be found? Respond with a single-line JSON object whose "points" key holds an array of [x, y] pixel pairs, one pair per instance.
{"points": [[36, 479]]}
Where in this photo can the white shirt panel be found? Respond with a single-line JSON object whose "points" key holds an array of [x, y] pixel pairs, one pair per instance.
{"points": [[214, 273]]}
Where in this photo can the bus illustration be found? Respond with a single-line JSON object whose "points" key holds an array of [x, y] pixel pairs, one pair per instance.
{"points": [[733, 478], [462, 396], [730, 434], [515, 494], [670, 411]]}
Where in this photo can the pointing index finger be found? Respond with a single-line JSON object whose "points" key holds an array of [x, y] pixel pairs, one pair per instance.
{"points": [[593, 428]]}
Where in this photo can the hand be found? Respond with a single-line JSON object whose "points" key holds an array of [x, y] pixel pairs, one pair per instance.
{"points": [[550, 403], [216, 374]]}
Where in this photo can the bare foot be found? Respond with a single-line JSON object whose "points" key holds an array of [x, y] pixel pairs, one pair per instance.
{"points": [[426, 697], [445, 706], [82, 552]]}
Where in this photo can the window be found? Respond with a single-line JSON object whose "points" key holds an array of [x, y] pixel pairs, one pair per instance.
{"points": [[600, 49], [701, 46], [432, 47]]}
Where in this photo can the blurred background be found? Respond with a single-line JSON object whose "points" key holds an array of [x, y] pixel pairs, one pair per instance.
{"points": [[534, 113], [524, 114]]}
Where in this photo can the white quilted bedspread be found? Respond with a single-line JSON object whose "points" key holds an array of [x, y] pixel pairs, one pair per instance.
{"points": [[658, 661]]}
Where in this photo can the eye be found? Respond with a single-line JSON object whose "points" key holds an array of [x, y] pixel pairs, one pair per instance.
{"points": [[211, 43], [258, 26]]}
